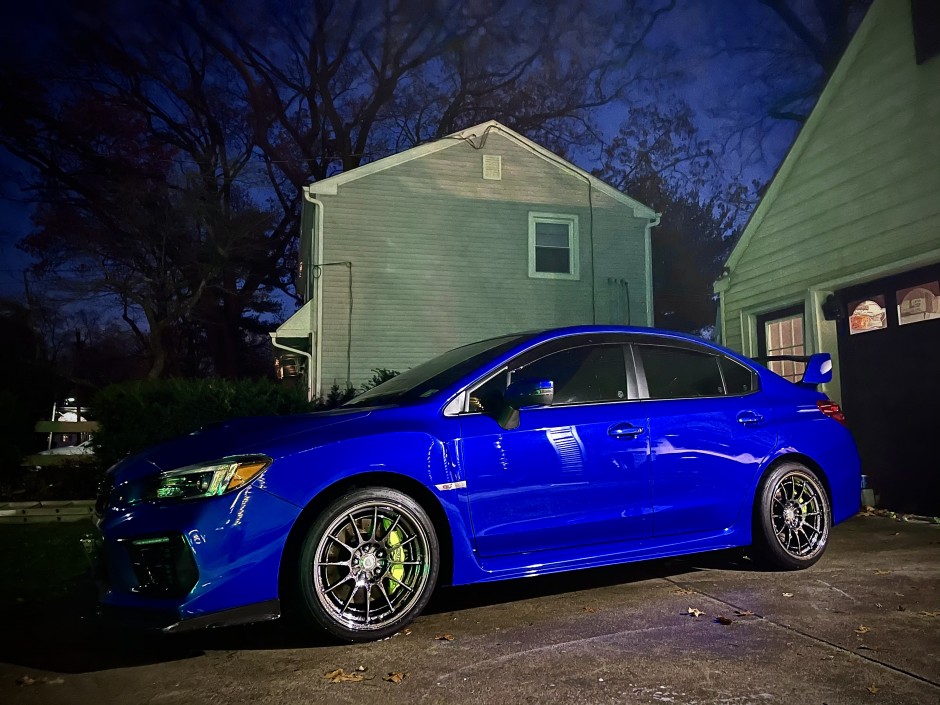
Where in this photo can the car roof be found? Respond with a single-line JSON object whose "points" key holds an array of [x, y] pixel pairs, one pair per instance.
{"points": [[551, 333]]}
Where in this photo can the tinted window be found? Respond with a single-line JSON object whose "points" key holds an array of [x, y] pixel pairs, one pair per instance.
{"points": [[738, 378], [673, 373], [429, 378], [591, 373]]}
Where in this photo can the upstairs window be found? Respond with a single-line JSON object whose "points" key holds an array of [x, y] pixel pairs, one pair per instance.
{"points": [[925, 15], [553, 246]]}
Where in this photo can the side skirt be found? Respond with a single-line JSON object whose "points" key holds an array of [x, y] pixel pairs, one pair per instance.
{"points": [[546, 562]]}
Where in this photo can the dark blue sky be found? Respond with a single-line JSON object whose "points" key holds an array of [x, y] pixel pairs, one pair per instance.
{"points": [[726, 90]]}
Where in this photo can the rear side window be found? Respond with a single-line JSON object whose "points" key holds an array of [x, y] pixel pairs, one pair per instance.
{"points": [[675, 373], [592, 373], [738, 378]]}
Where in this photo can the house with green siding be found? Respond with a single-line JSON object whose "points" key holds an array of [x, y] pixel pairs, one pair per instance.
{"points": [[842, 255], [475, 235]]}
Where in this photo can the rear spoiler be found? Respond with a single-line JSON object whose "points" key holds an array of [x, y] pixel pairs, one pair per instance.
{"points": [[818, 366]]}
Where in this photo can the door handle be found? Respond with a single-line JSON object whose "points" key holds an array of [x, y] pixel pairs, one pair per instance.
{"points": [[624, 430], [750, 418]]}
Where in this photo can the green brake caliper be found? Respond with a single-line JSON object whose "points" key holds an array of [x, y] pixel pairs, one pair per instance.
{"points": [[395, 555]]}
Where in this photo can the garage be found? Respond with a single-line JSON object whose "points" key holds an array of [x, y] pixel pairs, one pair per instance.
{"points": [[889, 349]]}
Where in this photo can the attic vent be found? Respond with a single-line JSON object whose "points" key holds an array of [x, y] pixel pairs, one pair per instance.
{"points": [[492, 167]]}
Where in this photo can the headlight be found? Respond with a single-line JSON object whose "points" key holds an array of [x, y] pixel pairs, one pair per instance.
{"points": [[207, 479]]}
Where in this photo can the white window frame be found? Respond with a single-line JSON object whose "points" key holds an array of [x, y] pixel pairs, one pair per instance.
{"points": [[778, 365], [573, 243]]}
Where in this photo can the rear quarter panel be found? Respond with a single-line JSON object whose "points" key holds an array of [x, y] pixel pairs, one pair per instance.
{"points": [[803, 430]]}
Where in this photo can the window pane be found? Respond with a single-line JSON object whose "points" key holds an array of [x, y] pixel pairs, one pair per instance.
{"points": [[672, 373], [551, 234], [784, 336], [552, 259], [587, 374], [738, 378], [919, 303], [488, 397], [867, 315]]}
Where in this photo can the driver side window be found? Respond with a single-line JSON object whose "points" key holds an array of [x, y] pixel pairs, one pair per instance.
{"points": [[591, 373]]}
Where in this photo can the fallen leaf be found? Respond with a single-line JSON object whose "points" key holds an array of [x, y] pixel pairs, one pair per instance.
{"points": [[862, 629], [25, 680], [340, 676], [695, 612], [787, 594], [929, 614], [403, 632], [395, 677], [589, 610], [873, 689], [882, 572], [683, 591], [444, 637], [878, 605], [744, 613], [721, 619]]}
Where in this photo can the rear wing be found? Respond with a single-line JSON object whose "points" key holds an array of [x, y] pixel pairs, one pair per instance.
{"points": [[818, 367]]}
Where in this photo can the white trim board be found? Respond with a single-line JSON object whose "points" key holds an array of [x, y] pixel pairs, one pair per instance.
{"points": [[330, 186]]}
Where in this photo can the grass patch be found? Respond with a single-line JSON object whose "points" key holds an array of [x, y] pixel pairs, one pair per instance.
{"points": [[42, 562]]}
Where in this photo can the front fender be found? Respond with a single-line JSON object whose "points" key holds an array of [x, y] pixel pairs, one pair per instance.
{"points": [[300, 477]]}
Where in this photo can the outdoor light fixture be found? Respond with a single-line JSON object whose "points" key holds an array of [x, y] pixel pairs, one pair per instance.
{"points": [[832, 308]]}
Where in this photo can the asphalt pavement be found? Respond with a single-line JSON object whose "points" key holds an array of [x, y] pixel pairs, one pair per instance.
{"points": [[862, 626]]}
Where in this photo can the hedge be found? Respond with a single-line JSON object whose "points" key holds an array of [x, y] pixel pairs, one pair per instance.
{"points": [[135, 415]]}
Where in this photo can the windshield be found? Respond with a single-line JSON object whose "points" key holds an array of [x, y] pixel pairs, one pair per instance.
{"points": [[427, 379]]}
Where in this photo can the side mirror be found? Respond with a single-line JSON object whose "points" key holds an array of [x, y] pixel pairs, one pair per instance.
{"points": [[530, 392], [818, 370]]}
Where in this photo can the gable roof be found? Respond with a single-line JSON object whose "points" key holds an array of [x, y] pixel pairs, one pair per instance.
{"points": [[802, 139], [329, 186]]}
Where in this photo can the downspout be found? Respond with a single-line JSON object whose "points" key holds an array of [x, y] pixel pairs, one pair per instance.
{"points": [[318, 292], [648, 252], [297, 352]]}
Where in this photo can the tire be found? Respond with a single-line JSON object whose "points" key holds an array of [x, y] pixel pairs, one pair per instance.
{"points": [[368, 565], [792, 518]]}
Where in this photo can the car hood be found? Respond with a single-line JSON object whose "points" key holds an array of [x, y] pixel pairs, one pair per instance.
{"points": [[262, 434]]}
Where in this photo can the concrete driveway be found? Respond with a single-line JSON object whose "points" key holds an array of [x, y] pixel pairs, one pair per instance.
{"points": [[862, 626]]}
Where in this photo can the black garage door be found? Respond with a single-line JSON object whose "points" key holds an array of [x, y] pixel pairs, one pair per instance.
{"points": [[889, 350]]}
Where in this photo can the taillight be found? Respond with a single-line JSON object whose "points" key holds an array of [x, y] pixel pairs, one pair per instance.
{"points": [[832, 410]]}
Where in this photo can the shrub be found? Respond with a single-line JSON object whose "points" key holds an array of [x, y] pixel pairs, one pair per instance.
{"points": [[135, 415], [379, 375], [335, 397]]}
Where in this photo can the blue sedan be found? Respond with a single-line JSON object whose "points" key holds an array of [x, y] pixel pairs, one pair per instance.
{"points": [[515, 456]]}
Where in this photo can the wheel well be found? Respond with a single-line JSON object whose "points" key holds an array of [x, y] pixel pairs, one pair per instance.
{"points": [[414, 489], [802, 460]]}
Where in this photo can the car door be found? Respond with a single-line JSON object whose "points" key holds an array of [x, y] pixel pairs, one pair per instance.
{"points": [[705, 445], [572, 474]]}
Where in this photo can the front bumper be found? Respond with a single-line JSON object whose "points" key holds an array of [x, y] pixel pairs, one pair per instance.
{"points": [[191, 564]]}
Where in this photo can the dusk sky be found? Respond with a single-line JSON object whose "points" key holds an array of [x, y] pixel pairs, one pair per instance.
{"points": [[722, 87]]}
